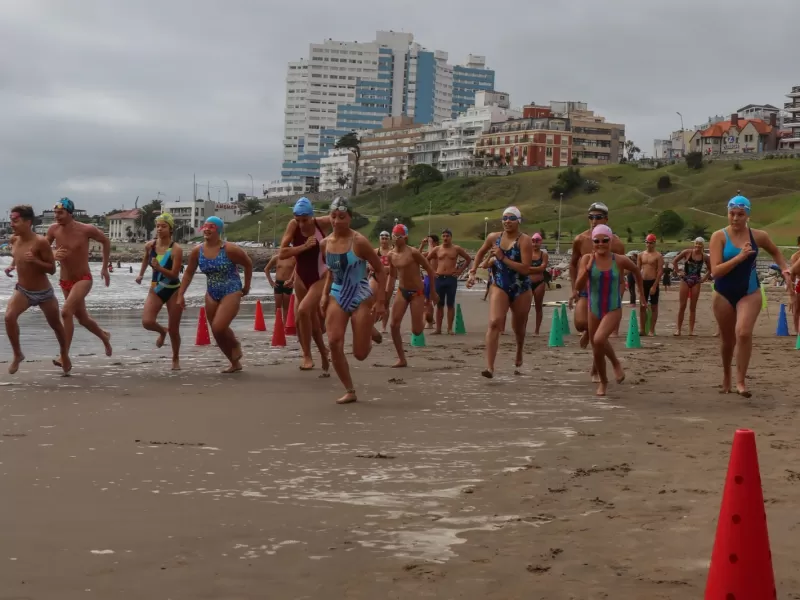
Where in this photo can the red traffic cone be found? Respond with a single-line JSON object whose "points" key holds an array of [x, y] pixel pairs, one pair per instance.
{"points": [[741, 562], [259, 324], [291, 327], [202, 339], [278, 334]]}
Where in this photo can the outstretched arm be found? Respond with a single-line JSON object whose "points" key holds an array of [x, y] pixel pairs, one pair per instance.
{"points": [[763, 240], [487, 244], [467, 260], [240, 257], [145, 261], [573, 262], [188, 274]]}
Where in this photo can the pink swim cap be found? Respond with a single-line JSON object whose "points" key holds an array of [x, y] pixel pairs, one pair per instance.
{"points": [[602, 230], [536, 236]]}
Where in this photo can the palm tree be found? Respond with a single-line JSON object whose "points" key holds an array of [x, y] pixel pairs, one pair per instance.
{"points": [[350, 141]]}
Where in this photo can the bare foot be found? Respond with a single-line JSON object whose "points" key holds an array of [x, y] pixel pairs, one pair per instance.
{"points": [[602, 386], [307, 364], [437, 332], [651, 334], [619, 373], [692, 333], [234, 368], [726, 385], [176, 364], [14, 366], [66, 364], [160, 339], [376, 336], [450, 332], [349, 397], [237, 353], [487, 373], [678, 333], [518, 359], [536, 332], [742, 390], [107, 343], [326, 363], [399, 364], [595, 378], [584, 339]]}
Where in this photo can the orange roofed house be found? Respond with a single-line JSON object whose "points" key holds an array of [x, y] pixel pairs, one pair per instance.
{"points": [[736, 136]]}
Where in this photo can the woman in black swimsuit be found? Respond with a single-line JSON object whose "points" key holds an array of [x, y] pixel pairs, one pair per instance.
{"points": [[383, 250], [539, 262], [691, 281]]}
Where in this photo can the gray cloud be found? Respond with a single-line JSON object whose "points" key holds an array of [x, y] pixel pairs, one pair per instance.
{"points": [[106, 100]]}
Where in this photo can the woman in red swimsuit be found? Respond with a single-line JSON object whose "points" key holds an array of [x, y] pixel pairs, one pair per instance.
{"points": [[304, 233]]}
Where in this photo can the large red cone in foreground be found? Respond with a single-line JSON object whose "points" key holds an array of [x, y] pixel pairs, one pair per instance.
{"points": [[741, 562], [202, 338], [259, 324], [291, 327], [278, 335]]}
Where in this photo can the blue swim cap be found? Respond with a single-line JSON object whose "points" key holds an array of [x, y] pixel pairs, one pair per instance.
{"points": [[215, 222], [67, 204], [739, 202], [303, 208]]}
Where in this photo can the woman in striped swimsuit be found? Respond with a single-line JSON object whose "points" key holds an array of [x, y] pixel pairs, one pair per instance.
{"points": [[346, 255], [602, 270]]}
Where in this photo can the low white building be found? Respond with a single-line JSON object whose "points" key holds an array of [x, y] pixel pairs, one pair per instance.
{"points": [[280, 189], [190, 215], [337, 165], [124, 226]]}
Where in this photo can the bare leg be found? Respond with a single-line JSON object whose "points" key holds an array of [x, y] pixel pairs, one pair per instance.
{"points": [[75, 308], [398, 312], [17, 305], [336, 323], [683, 295], [53, 316], [797, 314], [451, 315], [653, 320], [152, 306], [307, 308], [695, 296], [520, 309], [175, 313], [387, 304], [746, 315], [581, 317], [220, 315], [498, 307], [726, 320], [601, 348], [538, 300], [439, 317], [279, 303]]}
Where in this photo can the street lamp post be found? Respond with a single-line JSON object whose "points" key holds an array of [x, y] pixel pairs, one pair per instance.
{"points": [[485, 227], [275, 226], [430, 208], [558, 241], [259, 232], [252, 186], [683, 137], [227, 191]]}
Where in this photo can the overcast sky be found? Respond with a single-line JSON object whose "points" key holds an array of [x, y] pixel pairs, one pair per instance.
{"points": [[107, 100]]}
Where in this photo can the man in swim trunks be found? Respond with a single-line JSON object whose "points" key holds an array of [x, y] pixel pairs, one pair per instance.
{"points": [[72, 251], [598, 215], [430, 242], [405, 263], [34, 260], [283, 283], [447, 274], [651, 264]]}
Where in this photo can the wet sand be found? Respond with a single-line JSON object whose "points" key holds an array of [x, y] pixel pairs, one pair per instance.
{"points": [[129, 481]]}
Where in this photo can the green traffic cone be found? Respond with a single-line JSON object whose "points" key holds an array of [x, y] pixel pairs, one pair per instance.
{"points": [[564, 320], [797, 345], [556, 338], [418, 341], [633, 340], [460, 329]]}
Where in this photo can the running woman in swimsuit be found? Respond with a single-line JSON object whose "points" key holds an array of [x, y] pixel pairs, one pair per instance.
{"points": [[383, 250], [539, 262], [301, 240], [512, 285], [72, 251], [600, 273], [347, 253], [34, 260], [164, 257], [796, 308], [737, 293], [219, 262], [691, 281], [283, 284], [405, 263]]}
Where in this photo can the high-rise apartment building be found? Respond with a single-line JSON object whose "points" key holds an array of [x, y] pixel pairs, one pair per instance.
{"points": [[353, 86], [792, 140]]}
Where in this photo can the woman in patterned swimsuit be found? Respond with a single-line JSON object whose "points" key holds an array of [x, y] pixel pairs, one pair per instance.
{"points": [[691, 281], [219, 262], [513, 252]]}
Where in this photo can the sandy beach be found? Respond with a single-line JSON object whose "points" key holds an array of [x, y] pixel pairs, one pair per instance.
{"points": [[128, 481]]}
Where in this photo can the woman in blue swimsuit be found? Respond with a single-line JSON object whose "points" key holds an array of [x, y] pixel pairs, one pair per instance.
{"points": [[737, 292], [224, 292], [165, 258], [512, 285], [346, 295]]}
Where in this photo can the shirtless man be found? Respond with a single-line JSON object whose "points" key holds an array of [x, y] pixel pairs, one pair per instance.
{"points": [[283, 285], [598, 215], [72, 251], [405, 263], [447, 274], [651, 264], [430, 242], [34, 259]]}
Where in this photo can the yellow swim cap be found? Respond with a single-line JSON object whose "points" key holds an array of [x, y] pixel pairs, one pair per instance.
{"points": [[167, 218]]}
